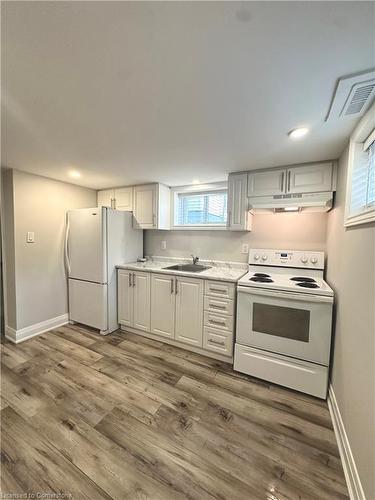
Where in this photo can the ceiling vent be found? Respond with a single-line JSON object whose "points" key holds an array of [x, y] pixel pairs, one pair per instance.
{"points": [[353, 95]]}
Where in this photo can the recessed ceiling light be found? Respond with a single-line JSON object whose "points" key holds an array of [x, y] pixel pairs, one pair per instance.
{"points": [[291, 209], [297, 133], [74, 173], [196, 181]]}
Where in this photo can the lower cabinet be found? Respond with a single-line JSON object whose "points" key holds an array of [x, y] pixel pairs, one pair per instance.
{"points": [[134, 299], [189, 311], [178, 308]]}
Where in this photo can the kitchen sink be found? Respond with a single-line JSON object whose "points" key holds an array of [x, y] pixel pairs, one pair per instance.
{"points": [[190, 268]]}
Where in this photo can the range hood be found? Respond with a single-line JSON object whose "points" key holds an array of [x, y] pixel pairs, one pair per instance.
{"points": [[307, 202]]}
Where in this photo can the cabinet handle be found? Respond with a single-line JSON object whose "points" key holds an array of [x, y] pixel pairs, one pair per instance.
{"points": [[176, 287], [216, 342], [282, 180], [113, 203], [172, 282], [219, 290], [130, 279], [289, 173], [216, 322], [133, 279], [218, 307]]}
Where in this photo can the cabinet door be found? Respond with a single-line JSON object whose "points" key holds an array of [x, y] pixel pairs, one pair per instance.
{"points": [[145, 206], [106, 198], [189, 311], [124, 297], [142, 306], [238, 214], [310, 178], [163, 300], [124, 199], [267, 183]]}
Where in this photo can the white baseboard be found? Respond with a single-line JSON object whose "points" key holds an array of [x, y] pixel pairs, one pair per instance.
{"points": [[350, 470], [23, 334]]}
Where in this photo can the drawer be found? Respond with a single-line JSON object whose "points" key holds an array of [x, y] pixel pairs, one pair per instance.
{"points": [[217, 321], [217, 341], [220, 306], [219, 289]]}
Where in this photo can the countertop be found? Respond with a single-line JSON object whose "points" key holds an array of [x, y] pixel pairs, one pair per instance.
{"points": [[219, 270]]}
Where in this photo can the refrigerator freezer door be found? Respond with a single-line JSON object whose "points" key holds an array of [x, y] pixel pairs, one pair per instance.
{"points": [[87, 247], [88, 304]]}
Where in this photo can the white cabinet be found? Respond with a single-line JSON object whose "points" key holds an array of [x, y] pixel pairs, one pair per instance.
{"points": [[239, 217], [163, 303], [106, 198], [314, 178], [134, 299], [189, 311], [124, 199], [298, 179], [266, 183], [152, 206]]}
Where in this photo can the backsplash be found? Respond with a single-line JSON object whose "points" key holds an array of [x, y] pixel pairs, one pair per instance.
{"points": [[287, 231]]}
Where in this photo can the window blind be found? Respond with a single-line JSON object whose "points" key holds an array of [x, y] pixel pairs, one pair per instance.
{"points": [[202, 208], [363, 180]]}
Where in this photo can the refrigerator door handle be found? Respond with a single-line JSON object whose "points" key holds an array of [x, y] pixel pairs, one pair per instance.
{"points": [[66, 249]]}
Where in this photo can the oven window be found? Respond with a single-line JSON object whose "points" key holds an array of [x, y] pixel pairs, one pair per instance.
{"points": [[283, 322]]}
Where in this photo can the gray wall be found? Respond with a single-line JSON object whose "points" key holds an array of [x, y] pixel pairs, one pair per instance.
{"points": [[286, 231], [40, 205], [351, 272]]}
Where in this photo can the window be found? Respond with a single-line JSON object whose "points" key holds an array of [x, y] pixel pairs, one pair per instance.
{"points": [[200, 208], [360, 200]]}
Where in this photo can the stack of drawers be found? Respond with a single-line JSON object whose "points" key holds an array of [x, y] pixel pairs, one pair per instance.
{"points": [[218, 330]]}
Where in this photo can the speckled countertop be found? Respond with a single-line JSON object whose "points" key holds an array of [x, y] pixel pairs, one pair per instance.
{"points": [[219, 270]]}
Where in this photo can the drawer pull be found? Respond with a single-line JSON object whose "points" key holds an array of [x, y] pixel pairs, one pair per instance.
{"points": [[216, 322], [217, 307], [219, 290], [217, 342]]}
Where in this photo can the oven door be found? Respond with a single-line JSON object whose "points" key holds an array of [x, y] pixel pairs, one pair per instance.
{"points": [[294, 324]]}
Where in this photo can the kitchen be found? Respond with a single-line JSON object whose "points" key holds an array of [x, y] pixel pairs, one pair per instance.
{"points": [[183, 298]]}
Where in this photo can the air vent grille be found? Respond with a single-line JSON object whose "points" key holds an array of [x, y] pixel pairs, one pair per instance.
{"points": [[358, 98], [353, 95]]}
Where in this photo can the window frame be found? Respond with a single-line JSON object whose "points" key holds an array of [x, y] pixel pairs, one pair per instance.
{"points": [[198, 189], [360, 136]]}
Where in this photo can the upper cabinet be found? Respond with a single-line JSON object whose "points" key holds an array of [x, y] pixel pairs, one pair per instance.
{"points": [[299, 179], [120, 199], [266, 183], [152, 206], [314, 178], [239, 218]]}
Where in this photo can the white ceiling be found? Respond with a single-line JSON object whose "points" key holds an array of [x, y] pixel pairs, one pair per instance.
{"points": [[130, 92]]}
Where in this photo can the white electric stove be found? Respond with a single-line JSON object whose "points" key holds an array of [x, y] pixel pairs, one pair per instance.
{"points": [[284, 320]]}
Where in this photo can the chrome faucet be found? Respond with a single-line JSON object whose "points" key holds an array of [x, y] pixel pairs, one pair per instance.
{"points": [[195, 259]]}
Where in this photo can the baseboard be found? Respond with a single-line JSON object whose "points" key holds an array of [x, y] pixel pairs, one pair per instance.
{"points": [[350, 470], [23, 334]]}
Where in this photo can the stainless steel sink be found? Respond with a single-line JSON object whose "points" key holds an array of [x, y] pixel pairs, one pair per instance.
{"points": [[189, 268]]}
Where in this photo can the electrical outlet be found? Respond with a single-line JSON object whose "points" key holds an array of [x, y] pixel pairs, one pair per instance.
{"points": [[30, 237], [163, 245], [245, 248]]}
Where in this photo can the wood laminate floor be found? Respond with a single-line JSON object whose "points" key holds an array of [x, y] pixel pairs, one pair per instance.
{"points": [[125, 417]]}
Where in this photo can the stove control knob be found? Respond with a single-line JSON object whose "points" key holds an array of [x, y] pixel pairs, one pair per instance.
{"points": [[264, 257], [304, 260], [313, 260], [256, 256]]}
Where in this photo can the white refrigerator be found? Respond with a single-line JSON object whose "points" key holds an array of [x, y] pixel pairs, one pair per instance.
{"points": [[98, 239]]}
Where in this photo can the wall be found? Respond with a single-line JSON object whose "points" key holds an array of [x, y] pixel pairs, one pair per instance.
{"points": [[40, 285], [351, 272], [286, 231]]}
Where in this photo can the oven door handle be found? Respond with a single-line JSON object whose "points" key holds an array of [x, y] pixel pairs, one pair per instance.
{"points": [[303, 297]]}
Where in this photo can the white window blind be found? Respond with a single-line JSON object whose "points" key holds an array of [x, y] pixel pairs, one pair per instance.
{"points": [[362, 196], [201, 208]]}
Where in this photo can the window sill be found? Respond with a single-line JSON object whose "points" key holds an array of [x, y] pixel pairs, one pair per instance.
{"points": [[199, 228], [363, 218]]}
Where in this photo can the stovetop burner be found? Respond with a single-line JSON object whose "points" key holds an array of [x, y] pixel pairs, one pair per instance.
{"points": [[262, 275], [303, 279], [261, 279], [308, 284]]}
